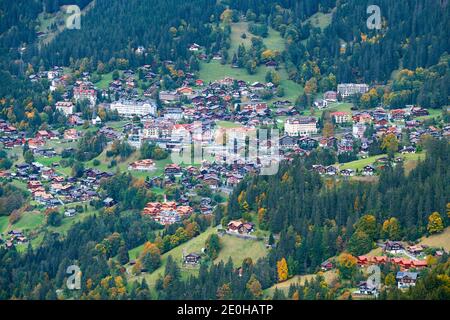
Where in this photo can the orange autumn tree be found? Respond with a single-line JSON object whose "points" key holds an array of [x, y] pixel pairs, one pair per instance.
{"points": [[283, 270]]}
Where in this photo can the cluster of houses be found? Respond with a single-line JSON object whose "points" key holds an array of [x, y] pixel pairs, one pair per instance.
{"points": [[240, 227], [168, 212], [51, 189], [14, 237]]}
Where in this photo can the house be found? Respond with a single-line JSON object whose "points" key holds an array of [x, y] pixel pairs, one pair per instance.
{"points": [[142, 165], [347, 172], [194, 47], [367, 289], [368, 170], [70, 213], [287, 142], [406, 279], [71, 135], [192, 259], [393, 247], [240, 227], [172, 169], [415, 250], [321, 104], [330, 96], [419, 264], [65, 107], [326, 265], [408, 150], [109, 202]]}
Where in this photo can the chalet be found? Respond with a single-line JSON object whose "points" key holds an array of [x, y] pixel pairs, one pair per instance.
{"points": [[109, 202], [393, 247], [169, 96], [408, 150], [330, 96], [192, 259], [406, 279], [288, 142], [331, 170], [419, 264], [71, 135], [347, 172], [321, 104], [319, 169], [398, 114], [212, 180], [419, 112], [271, 64], [172, 169], [240, 227], [142, 165], [326, 265], [70, 213], [415, 250], [367, 289], [66, 107]]}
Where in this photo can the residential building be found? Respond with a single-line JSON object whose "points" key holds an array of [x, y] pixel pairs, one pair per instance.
{"points": [[65, 107]]}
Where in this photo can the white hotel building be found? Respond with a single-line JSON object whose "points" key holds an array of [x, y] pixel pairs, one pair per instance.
{"points": [[134, 108], [302, 126]]}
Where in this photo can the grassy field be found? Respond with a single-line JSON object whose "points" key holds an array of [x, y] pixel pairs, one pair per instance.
{"points": [[434, 113], [237, 29], [3, 223], [29, 221], [214, 71], [441, 240], [103, 84], [239, 249], [193, 245], [228, 124], [360, 164], [273, 41], [329, 276], [320, 20]]}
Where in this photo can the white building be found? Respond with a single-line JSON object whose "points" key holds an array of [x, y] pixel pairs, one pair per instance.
{"points": [[134, 108], [302, 126], [65, 107], [350, 89]]}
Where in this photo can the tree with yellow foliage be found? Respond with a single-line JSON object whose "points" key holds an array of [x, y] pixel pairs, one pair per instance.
{"points": [[390, 144], [282, 269], [391, 229], [254, 287], [435, 223], [227, 16], [346, 265]]}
